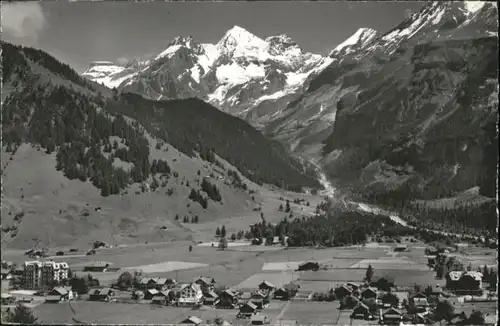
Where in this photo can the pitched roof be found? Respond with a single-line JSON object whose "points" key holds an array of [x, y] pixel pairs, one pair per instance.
{"points": [[100, 291], [361, 305], [206, 280], [192, 320], [391, 311], [62, 290], [152, 291], [454, 275], [370, 289], [229, 292], [251, 305], [267, 283], [211, 294]]}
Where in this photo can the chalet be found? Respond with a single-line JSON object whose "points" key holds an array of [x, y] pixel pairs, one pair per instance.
{"points": [[159, 283], [259, 320], [343, 291], [391, 316], [282, 294], [206, 284], [471, 281], [60, 294], [267, 286], [97, 266], [259, 299], [101, 294], [453, 279], [227, 299], [420, 300], [159, 300], [193, 320], [247, 310], [369, 293], [361, 311], [7, 299], [210, 299], [150, 293], [401, 248], [308, 266], [6, 274], [189, 294]]}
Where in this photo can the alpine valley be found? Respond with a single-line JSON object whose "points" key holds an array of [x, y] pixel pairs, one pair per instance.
{"points": [[218, 132]]}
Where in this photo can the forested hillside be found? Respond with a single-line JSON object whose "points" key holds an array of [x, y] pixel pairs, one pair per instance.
{"points": [[47, 103]]}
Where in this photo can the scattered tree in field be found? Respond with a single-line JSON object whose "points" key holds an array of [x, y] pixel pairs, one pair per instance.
{"points": [[223, 231], [369, 274], [190, 248], [444, 310], [280, 208], [22, 315], [217, 232], [233, 237], [223, 243], [287, 209], [125, 280]]}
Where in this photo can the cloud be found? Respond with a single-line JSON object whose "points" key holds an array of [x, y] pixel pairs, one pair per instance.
{"points": [[123, 61], [23, 19]]}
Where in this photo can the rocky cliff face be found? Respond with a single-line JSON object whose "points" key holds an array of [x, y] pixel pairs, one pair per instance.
{"points": [[411, 107]]}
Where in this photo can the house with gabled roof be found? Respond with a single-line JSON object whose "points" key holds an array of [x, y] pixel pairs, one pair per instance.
{"points": [[247, 310], [391, 316], [101, 294], [343, 291], [369, 293], [150, 293], [189, 294], [60, 294], [228, 299], [210, 298], [361, 311], [192, 320], [206, 284], [267, 286]]}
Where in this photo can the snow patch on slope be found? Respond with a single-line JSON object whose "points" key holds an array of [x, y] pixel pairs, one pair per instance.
{"points": [[361, 37], [171, 49]]}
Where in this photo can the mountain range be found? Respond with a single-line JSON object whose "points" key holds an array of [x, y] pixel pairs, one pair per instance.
{"points": [[410, 74]]}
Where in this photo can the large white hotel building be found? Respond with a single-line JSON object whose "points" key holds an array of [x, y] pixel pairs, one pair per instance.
{"points": [[38, 274]]}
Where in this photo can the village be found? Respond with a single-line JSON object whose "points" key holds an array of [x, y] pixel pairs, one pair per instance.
{"points": [[392, 284]]}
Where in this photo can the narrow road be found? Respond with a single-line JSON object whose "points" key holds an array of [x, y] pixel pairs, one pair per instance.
{"points": [[276, 319]]}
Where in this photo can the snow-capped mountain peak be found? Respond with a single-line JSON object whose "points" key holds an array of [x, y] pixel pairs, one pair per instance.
{"points": [[355, 42], [238, 38]]}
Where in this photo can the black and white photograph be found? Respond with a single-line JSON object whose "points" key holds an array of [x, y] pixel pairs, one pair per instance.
{"points": [[279, 163]]}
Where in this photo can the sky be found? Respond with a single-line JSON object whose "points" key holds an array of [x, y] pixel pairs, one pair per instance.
{"points": [[78, 33]]}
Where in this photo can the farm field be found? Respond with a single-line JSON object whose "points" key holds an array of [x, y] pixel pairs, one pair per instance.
{"points": [[323, 313], [133, 313], [315, 286], [334, 275], [277, 278]]}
